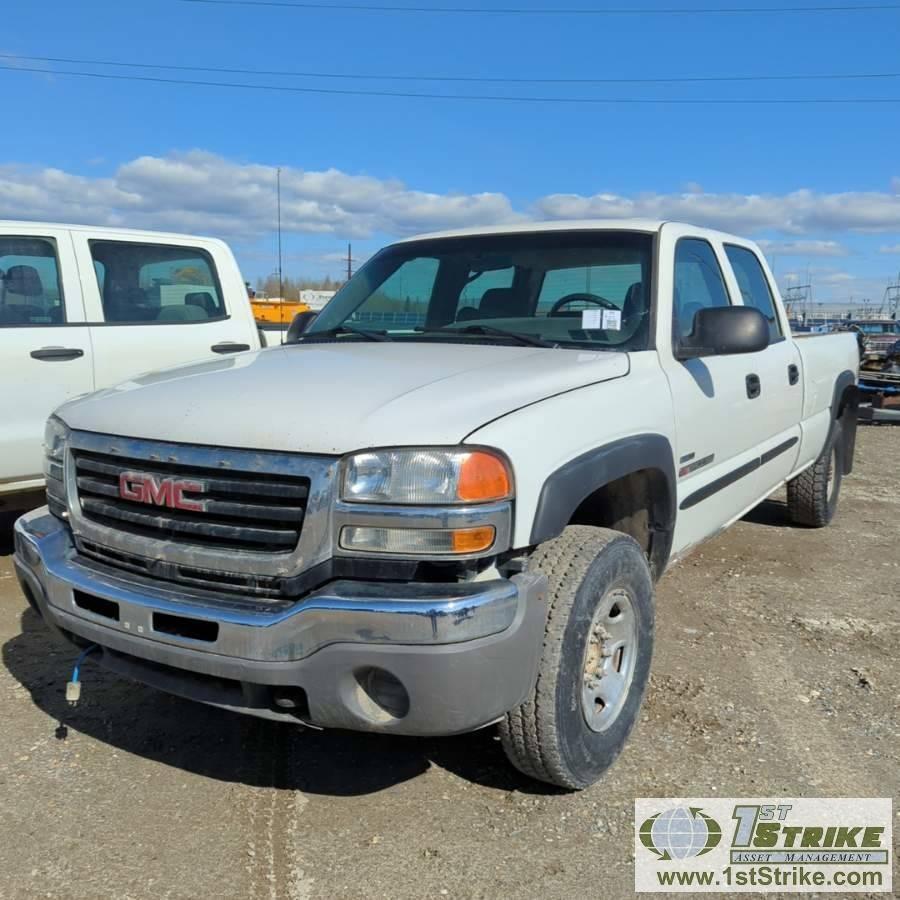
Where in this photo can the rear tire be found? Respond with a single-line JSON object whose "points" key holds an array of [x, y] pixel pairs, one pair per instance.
{"points": [[596, 658], [812, 497]]}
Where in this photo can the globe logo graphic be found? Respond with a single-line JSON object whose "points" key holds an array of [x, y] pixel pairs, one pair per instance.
{"points": [[680, 833]]}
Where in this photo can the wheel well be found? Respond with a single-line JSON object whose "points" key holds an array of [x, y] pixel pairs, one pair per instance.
{"points": [[637, 504]]}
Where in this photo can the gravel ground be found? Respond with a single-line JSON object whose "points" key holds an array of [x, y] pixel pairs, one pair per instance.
{"points": [[776, 673]]}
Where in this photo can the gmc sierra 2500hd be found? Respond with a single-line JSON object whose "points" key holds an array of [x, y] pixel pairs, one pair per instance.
{"points": [[446, 502]]}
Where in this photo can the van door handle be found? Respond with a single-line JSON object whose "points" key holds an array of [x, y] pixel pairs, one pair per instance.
{"points": [[793, 374], [754, 388], [57, 354], [229, 347]]}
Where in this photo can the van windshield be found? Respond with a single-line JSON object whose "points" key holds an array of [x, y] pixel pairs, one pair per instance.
{"points": [[570, 289]]}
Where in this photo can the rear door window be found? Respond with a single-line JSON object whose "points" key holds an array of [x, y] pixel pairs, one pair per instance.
{"points": [[754, 285], [30, 288], [156, 283]]}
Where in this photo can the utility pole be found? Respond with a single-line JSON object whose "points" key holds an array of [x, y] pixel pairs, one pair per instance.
{"points": [[349, 261], [278, 196]]}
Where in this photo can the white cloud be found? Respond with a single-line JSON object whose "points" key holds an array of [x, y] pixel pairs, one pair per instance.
{"points": [[890, 248], [837, 278], [796, 213], [202, 192], [197, 191], [803, 248]]}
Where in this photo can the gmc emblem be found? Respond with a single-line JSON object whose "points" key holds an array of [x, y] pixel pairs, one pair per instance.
{"points": [[141, 487]]}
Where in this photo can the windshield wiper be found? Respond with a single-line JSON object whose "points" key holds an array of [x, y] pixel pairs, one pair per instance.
{"points": [[347, 329], [529, 340]]}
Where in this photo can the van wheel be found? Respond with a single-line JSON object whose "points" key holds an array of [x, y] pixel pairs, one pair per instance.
{"points": [[812, 496], [595, 662]]}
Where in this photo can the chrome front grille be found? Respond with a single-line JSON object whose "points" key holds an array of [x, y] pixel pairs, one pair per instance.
{"points": [[256, 511]]}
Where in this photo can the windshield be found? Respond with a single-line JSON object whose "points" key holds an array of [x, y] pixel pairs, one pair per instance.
{"points": [[571, 289]]}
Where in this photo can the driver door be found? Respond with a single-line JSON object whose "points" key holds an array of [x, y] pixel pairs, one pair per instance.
{"points": [[720, 420]]}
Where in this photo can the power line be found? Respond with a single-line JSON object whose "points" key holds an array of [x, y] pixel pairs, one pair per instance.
{"points": [[646, 101], [549, 11], [470, 79]]}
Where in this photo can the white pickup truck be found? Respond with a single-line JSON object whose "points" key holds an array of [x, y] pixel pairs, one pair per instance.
{"points": [[445, 504], [85, 308]]}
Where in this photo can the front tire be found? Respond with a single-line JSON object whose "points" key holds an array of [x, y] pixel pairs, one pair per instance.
{"points": [[812, 497], [596, 658]]}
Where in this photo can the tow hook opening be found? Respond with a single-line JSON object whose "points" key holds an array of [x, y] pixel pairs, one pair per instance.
{"points": [[291, 700]]}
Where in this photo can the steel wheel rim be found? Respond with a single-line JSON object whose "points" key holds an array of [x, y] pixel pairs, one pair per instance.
{"points": [[609, 659]]}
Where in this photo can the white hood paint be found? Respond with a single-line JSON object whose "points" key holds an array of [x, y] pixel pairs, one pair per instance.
{"points": [[335, 398]]}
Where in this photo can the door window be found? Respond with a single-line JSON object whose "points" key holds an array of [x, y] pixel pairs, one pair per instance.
{"points": [[754, 285], [141, 283], [30, 289], [699, 284]]}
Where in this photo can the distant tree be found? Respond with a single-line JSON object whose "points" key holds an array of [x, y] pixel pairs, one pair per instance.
{"points": [[291, 286]]}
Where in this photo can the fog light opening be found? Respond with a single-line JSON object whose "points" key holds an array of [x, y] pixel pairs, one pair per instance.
{"points": [[381, 695]]}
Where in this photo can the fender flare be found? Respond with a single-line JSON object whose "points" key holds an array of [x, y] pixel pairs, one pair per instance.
{"points": [[565, 489], [845, 406]]}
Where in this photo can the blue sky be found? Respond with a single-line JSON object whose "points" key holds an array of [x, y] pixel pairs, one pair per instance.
{"points": [[819, 183]]}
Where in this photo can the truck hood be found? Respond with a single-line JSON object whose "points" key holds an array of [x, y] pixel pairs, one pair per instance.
{"points": [[334, 398]]}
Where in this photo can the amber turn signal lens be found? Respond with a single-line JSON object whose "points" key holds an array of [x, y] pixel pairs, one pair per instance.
{"points": [[483, 477], [473, 540]]}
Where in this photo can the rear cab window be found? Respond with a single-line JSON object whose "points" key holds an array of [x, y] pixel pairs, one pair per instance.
{"points": [[754, 286], [30, 286], [142, 283]]}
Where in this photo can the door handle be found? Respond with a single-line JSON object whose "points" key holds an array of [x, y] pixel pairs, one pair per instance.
{"points": [[793, 374], [754, 388], [57, 354], [229, 347]]}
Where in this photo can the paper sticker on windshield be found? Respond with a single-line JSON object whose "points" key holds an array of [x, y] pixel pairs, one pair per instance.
{"points": [[592, 319], [612, 320]]}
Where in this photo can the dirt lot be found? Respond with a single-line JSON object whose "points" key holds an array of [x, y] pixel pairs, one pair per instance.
{"points": [[776, 673]]}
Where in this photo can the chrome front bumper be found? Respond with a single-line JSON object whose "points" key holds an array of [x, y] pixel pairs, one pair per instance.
{"points": [[456, 632]]}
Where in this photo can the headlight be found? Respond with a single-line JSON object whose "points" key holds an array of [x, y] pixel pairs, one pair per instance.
{"points": [[56, 438], [426, 476]]}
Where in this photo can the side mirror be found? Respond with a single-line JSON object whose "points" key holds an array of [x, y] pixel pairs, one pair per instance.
{"points": [[299, 324], [724, 330]]}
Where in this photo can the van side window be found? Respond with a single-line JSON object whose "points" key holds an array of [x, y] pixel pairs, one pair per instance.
{"points": [[754, 285], [699, 284], [156, 283], [30, 289]]}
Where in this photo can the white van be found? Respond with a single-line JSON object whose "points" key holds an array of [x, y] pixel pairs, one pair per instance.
{"points": [[83, 308]]}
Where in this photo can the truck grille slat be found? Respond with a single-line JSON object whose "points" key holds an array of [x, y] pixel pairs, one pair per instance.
{"points": [[240, 510], [213, 507], [241, 483]]}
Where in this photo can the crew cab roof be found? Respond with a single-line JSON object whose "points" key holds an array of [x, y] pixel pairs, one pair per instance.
{"points": [[110, 231], [646, 225]]}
